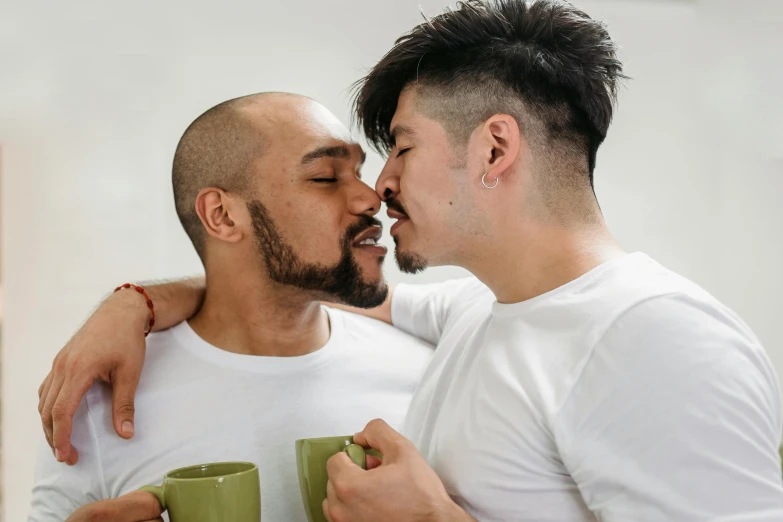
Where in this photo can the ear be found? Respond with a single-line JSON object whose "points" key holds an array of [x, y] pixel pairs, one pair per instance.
{"points": [[218, 211], [500, 142]]}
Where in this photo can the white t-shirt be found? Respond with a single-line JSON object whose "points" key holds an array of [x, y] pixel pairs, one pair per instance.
{"points": [[627, 395], [196, 403]]}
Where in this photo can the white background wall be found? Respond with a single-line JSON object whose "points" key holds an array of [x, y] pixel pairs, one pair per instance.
{"points": [[94, 96]]}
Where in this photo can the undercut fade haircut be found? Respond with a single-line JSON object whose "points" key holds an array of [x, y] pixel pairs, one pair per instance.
{"points": [[216, 150], [545, 63]]}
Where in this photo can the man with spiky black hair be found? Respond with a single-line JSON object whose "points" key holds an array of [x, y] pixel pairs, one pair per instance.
{"points": [[572, 381]]}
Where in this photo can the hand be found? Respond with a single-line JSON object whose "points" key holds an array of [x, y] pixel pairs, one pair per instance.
{"points": [[110, 347], [403, 488], [138, 506]]}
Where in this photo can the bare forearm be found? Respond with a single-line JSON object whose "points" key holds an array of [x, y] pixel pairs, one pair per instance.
{"points": [[381, 312], [174, 301]]}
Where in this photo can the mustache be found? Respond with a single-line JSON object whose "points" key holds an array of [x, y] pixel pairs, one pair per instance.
{"points": [[396, 206], [360, 226]]}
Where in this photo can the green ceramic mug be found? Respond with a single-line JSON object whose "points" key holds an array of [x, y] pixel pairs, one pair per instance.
{"points": [[311, 457], [217, 492]]}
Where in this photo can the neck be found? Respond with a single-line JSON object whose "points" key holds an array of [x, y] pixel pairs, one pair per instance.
{"points": [[255, 316], [521, 261]]}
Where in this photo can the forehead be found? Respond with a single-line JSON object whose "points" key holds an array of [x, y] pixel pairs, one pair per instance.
{"points": [[293, 127], [406, 108]]}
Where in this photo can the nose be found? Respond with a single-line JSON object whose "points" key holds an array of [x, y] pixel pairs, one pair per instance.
{"points": [[364, 200], [388, 184]]}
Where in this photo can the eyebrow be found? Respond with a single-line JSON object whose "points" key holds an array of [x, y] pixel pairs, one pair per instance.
{"points": [[400, 130], [336, 151]]}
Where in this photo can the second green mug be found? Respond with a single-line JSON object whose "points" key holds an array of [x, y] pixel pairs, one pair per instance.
{"points": [[217, 492], [311, 457]]}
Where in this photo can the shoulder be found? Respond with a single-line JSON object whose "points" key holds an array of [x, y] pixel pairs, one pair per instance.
{"points": [[453, 294], [380, 342], [641, 298], [460, 287], [366, 330], [664, 336], [166, 358], [686, 324], [168, 344], [676, 378], [684, 350]]}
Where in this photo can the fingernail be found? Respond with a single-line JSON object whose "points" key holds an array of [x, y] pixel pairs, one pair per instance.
{"points": [[127, 427], [57, 455]]}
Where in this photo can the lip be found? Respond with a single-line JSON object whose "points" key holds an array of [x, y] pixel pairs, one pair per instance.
{"points": [[400, 221], [375, 250], [395, 215], [373, 232]]}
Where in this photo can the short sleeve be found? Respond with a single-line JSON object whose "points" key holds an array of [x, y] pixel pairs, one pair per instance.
{"points": [[423, 310], [675, 416]]}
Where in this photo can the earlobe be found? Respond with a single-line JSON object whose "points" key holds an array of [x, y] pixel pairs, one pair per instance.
{"points": [[484, 181], [503, 138]]}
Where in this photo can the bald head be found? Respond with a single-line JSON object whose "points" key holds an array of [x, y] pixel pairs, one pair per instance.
{"points": [[218, 149]]}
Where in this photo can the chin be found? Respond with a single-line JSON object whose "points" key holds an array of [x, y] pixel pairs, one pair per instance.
{"points": [[370, 295], [372, 272], [409, 261], [373, 279]]}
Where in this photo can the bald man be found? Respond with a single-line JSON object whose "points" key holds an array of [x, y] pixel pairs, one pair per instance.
{"points": [[268, 188]]}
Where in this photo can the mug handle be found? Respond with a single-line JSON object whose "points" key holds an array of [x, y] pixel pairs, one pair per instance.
{"points": [[357, 454], [158, 492]]}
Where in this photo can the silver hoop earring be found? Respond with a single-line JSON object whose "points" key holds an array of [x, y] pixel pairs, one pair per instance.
{"points": [[497, 180]]}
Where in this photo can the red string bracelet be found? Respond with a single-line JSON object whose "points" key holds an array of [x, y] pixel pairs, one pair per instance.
{"points": [[149, 302]]}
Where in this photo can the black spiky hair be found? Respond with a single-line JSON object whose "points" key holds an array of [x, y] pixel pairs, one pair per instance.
{"points": [[553, 58]]}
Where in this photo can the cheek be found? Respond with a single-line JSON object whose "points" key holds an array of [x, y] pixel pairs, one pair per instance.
{"points": [[313, 228], [427, 186], [435, 196]]}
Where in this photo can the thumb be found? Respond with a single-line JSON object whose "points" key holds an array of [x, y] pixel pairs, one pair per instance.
{"points": [[124, 384], [382, 437]]}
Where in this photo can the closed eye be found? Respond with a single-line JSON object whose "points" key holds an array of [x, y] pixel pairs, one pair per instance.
{"points": [[403, 151], [325, 180]]}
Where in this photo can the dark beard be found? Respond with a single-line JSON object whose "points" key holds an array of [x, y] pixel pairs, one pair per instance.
{"points": [[341, 282]]}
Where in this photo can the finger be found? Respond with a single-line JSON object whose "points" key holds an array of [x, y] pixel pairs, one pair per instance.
{"points": [[42, 389], [340, 466], [68, 400], [43, 392], [325, 508], [48, 438], [331, 494], [139, 505], [73, 456], [373, 461], [382, 437], [124, 384], [46, 414]]}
